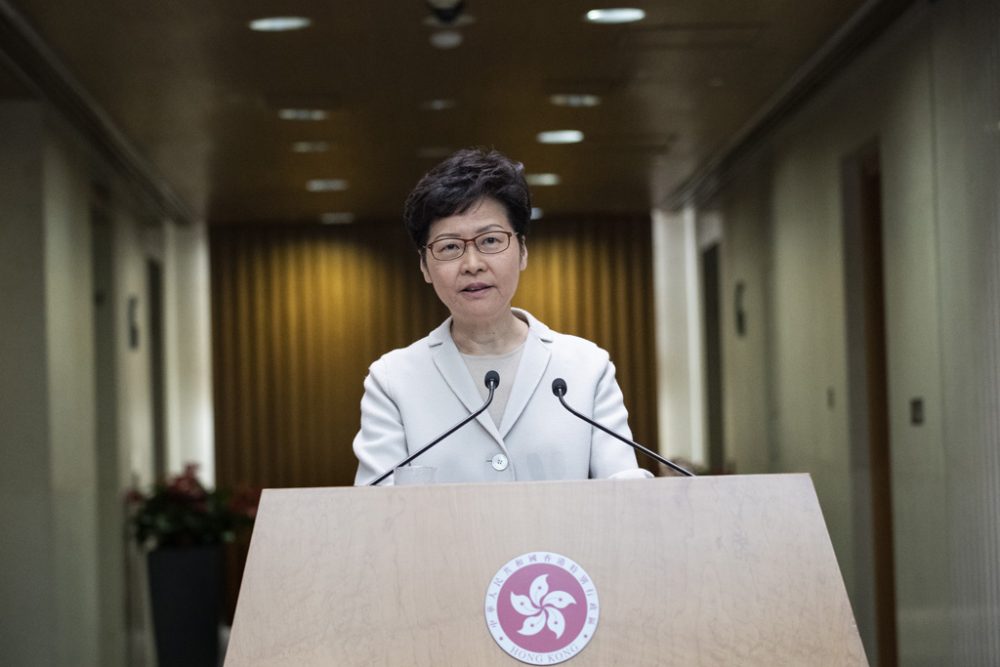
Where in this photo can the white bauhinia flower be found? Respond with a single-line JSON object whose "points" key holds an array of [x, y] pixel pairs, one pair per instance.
{"points": [[542, 608], [533, 625], [522, 605]]}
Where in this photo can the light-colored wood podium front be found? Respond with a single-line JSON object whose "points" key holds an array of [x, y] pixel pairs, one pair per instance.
{"points": [[732, 570]]}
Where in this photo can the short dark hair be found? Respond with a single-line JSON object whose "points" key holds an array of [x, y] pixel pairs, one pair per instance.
{"points": [[463, 179]]}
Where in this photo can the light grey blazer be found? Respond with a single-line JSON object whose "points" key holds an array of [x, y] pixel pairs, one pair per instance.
{"points": [[414, 394]]}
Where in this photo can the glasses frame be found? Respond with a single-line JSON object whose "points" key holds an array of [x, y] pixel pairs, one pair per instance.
{"points": [[466, 242]]}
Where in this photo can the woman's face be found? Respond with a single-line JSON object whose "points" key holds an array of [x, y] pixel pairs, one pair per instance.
{"points": [[477, 288]]}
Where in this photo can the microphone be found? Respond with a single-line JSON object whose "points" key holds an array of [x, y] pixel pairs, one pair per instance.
{"points": [[492, 381], [559, 389]]}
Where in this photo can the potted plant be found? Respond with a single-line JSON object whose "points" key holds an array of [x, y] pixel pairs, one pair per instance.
{"points": [[183, 526]]}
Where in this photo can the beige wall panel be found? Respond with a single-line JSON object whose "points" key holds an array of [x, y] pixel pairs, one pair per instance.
{"points": [[745, 260], [966, 62], [26, 563], [71, 400]]}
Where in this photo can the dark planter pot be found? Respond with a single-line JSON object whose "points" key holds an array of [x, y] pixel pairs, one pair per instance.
{"points": [[185, 587]]}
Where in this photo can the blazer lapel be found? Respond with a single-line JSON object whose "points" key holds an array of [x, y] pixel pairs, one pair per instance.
{"points": [[452, 367], [534, 361]]}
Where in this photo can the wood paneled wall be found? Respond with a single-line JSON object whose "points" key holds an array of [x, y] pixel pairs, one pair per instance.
{"points": [[300, 312]]}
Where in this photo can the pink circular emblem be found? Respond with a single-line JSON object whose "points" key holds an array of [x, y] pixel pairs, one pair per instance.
{"points": [[542, 608]]}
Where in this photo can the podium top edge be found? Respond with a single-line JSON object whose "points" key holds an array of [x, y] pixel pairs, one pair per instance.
{"points": [[537, 483]]}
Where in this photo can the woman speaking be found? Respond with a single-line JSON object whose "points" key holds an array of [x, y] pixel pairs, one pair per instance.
{"points": [[468, 218]]}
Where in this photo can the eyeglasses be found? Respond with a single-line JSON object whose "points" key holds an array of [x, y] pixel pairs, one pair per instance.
{"points": [[487, 243]]}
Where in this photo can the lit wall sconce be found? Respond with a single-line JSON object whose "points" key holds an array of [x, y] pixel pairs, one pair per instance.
{"points": [[133, 323], [739, 311]]}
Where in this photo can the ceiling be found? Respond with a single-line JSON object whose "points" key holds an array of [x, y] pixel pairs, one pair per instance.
{"points": [[197, 93]]}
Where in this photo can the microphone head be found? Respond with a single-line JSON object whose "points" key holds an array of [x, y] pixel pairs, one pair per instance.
{"points": [[492, 379], [559, 387]]}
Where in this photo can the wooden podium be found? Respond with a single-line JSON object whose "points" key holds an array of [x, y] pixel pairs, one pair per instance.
{"points": [[706, 571]]}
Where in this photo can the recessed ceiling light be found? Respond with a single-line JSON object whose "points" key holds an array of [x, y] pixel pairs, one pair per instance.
{"points": [[446, 39], [311, 146], [560, 137], [573, 100], [437, 105], [536, 213], [616, 15], [303, 114], [326, 185], [542, 179], [338, 218], [280, 23]]}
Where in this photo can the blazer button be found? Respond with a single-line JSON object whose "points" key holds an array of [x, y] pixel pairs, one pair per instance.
{"points": [[499, 462]]}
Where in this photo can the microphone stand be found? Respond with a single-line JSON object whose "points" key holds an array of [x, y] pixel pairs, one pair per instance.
{"points": [[559, 389], [492, 382]]}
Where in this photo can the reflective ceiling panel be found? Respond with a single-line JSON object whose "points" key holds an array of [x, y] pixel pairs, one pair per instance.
{"points": [[198, 93]]}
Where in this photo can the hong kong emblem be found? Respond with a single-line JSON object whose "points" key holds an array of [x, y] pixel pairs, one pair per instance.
{"points": [[542, 608]]}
